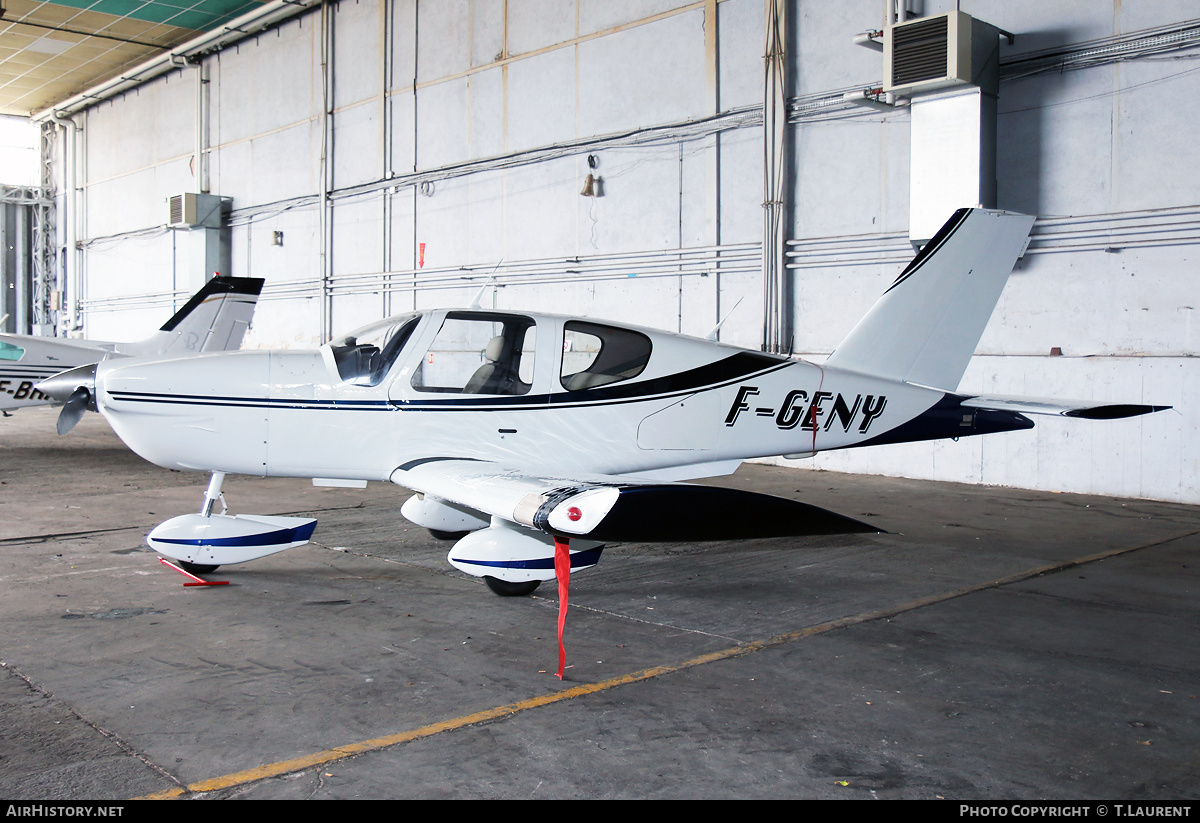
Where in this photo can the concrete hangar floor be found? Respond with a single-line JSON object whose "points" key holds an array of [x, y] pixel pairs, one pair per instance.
{"points": [[993, 644]]}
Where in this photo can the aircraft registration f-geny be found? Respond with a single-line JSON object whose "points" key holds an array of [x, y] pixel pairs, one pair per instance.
{"points": [[530, 438]]}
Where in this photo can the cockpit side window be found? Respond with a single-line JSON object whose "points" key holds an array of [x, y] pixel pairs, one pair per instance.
{"points": [[365, 358], [597, 355], [479, 353], [10, 352]]}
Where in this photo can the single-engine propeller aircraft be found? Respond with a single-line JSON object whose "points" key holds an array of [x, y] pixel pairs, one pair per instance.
{"points": [[523, 433], [214, 319]]}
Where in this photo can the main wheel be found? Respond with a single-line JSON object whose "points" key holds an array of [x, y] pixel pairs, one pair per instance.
{"points": [[439, 534], [506, 589], [197, 568]]}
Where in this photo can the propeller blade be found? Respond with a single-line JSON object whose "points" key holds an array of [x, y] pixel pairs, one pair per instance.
{"points": [[73, 409]]}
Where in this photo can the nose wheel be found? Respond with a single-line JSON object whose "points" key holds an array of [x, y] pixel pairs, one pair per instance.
{"points": [[196, 568], [506, 589]]}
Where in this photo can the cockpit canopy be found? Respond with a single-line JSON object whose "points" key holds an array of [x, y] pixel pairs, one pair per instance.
{"points": [[474, 351]]}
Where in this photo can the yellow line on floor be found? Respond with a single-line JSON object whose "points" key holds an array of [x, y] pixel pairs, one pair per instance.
{"points": [[299, 764]]}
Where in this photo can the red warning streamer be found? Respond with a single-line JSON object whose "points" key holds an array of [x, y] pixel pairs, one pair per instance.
{"points": [[198, 581], [562, 570]]}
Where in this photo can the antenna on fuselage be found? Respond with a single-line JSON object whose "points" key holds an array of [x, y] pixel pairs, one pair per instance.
{"points": [[476, 303], [712, 335]]}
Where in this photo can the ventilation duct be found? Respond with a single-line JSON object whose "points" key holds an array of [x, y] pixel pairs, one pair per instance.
{"points": [[948, 67], [206, 242]]}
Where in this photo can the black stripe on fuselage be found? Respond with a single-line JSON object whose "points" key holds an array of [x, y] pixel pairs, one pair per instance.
{"points": [[722, 373], [29, 371]]}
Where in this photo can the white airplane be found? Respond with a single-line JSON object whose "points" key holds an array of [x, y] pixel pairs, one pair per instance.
{"points": [[527, 437], [214, 319]]}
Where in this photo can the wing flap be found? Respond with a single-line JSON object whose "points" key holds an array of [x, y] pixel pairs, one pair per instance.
{"points": [[613, 508]]}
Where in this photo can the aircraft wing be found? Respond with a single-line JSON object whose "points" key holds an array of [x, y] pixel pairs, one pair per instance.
{"points": [[1067, 408], [610, 508]]}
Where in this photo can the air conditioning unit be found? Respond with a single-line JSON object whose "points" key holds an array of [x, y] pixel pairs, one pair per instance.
{"points": [[945, 50], [193, 210]]}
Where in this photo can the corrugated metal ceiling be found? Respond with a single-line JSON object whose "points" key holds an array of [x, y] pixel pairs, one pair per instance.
{"points": [[50, 51]]}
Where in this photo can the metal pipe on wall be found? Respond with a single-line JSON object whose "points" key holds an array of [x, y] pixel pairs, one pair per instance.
{"points": [[326, 171], [776, 188], [70, 268], [21, 269]]}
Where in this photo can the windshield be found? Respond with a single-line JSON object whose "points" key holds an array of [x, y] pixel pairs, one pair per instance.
{"points": [[365, 356]]}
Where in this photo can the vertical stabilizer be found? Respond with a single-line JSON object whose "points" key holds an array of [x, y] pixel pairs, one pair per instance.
{"points": [[926, 326], [214, 319]]}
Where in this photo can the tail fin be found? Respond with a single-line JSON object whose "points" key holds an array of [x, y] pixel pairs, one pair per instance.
{"points": [[926, 326], [214, 319]]}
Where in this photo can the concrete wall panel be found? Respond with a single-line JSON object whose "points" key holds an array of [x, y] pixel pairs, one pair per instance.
{"points": [[485, 90], [542, 210], [357, 236], [487, 32], [357, 145], [741, 186], [826, 55], [602, 15], [357, 58], [541, 100], [640, 208], [444, 35], [539, 24], [741, 38], [443, 124], [269, 82], [614, 94], [255, 254]]}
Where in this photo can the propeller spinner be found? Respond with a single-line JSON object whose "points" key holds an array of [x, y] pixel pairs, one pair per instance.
{"points": [[76, 390]]}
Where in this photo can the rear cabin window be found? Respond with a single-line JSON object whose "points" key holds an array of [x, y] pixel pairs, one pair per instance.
{"points": [[479, 353], [597, 355], [364, 357]]}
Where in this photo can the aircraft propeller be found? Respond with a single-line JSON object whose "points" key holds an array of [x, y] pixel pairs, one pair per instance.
{"points": [[76, 390]]}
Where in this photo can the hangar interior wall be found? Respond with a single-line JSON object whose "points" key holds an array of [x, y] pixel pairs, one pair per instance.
{"points": [[385, 156]]}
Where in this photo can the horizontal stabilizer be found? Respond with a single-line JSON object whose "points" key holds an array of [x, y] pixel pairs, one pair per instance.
{"points": [[926, 326], [1066, 408]]}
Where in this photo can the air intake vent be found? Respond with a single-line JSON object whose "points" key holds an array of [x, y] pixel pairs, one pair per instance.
{"points": [[919, 51], [937, 52], [190, 210]]}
